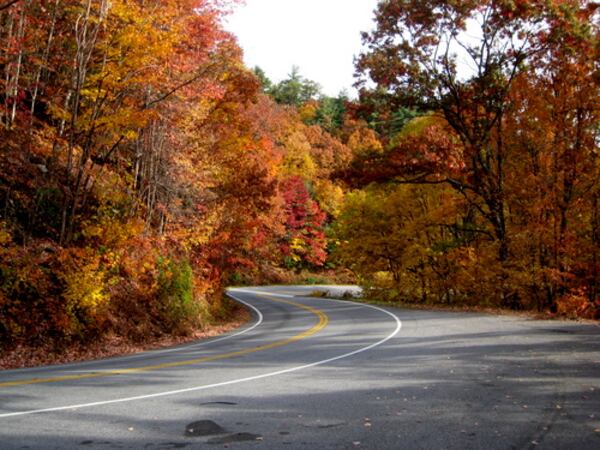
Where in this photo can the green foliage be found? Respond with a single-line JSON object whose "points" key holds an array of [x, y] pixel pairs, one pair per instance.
{"points": [[237, 279], [265, 83], [294, 90], [176, 294], [389, 125], [314, 280], [331, 111]]}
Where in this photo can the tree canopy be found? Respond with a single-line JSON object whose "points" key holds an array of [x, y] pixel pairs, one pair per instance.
{"points": [[143, 167]]}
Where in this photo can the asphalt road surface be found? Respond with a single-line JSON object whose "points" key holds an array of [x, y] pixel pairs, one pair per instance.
{"points": [[314, 373]]}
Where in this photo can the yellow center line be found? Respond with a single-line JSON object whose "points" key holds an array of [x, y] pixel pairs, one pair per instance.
{"points": [[323, 321]]}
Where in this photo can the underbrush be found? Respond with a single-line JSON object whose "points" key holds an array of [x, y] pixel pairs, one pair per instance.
{"points": [[569, 307], [60, 299], [269, 274]]}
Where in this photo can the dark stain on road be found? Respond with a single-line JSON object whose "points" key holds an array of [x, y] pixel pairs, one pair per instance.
{"points": [[237, 437], [173, 445], [330, 425], [219, 403], [203, 428], [561, 331], [324, 424]]}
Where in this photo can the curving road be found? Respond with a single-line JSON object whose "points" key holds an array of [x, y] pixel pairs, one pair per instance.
{"points": [[318, 373]]}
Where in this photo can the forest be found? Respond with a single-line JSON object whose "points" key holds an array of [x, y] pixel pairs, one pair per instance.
{"points": [[144, 167]]}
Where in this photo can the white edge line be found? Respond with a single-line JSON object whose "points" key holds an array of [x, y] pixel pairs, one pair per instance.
{"points": [[230, 382], [251, 291], [201, 341], [205, 341], [71, 367]]}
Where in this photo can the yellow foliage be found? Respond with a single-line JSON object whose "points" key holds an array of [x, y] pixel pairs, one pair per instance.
{"points": [[297, 244], [364, 141], [297, 160], [57, 112], [417, 126], [382, 279], [308, 111], [299, 164], [85, 289], [330, 197], [388, 236], [5, 237], [298, 248]]}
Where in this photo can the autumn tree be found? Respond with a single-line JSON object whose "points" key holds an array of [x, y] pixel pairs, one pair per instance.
{"points": [[405, 241], [552, 132], [414, 57], [135, 173], [305, 240], [504, 93]]}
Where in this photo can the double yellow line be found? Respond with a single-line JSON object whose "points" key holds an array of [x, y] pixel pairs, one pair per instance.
{"points": [[322, 323]]}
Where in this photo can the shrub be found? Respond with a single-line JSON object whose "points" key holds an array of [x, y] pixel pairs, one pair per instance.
{"points": [[85, 295], [176, 295]]}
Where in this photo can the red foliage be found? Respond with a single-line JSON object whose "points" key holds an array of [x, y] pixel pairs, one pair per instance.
{"points": [[305, 238]]}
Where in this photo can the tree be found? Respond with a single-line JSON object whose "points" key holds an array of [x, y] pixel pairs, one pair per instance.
{"points": [[8, 4], [398, 238], [265, 83], [414, 57], [294, 90], [305, 241], [330, 112], [553, 172], [138, 171]]}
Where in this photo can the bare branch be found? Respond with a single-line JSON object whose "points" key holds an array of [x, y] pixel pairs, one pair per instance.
{"points": [[8, 4], [175, 89], [455, 227]]}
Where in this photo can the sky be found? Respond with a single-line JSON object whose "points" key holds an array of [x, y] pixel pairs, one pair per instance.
{"points": [[321, 37]]}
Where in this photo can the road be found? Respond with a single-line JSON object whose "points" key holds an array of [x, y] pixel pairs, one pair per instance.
{"points": [[314, 373]]}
